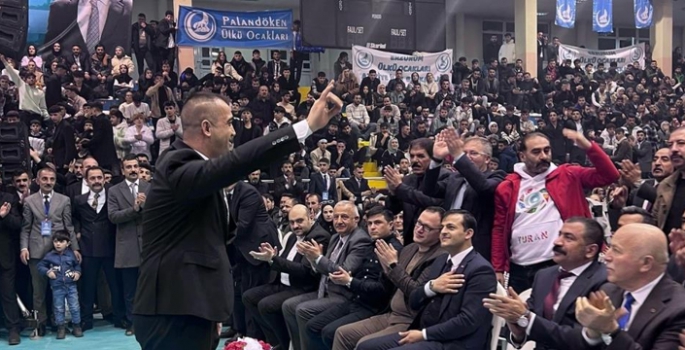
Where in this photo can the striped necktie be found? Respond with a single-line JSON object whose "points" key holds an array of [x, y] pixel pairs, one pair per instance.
{"points": [[93, 35]]}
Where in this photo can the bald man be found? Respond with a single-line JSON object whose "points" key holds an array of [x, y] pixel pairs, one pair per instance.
{"points": [[185, 288], [654, 304]]}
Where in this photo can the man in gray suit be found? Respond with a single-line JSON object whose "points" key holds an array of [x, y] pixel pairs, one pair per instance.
{"points": [[347, 249], [125, 206], [44, 213]]}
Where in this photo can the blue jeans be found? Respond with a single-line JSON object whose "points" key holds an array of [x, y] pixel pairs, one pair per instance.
{"points": [[70, 293]]}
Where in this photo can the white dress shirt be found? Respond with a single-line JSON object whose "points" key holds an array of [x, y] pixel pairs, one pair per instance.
{"points": [[134, 189], [285, 277], [83, 17], [102, 199], [84, 186]]}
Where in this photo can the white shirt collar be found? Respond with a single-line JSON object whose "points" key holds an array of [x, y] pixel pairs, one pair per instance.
{"points": [[457, 259], [129, 183], [91, 195], [84, 187], [580, 269], [202, 155], [643, 292], [52, 193]]}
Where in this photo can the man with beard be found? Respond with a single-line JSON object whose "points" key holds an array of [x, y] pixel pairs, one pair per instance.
{"points": [[255, 179], [532, 203], [642, 193], [669, 207], [548, 317], [406, 192], [186, 287], [81, 186]]}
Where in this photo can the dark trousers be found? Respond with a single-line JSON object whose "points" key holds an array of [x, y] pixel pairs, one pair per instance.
{"points": [[145, 56], [91, 269], [264, 303], [321, 328], [521, 277], [168, 55], [250, 276], [129, 283], [8, 273], [296, 62], [162, 332], [391, 341]]}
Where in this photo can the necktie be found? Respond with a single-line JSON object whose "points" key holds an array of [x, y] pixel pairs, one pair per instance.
{"points": [[47, 204], [628, 305], [134, 192], [324, 278], [325, 180], [448, 266], [93, 35], [551, 298], [95, 201]]}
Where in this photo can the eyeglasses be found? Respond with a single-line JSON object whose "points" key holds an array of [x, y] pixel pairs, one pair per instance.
{"points": [[422, 226]]}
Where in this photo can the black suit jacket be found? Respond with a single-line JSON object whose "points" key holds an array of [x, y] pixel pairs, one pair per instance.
{"points": [[164, 31], [97, 232], [102, 144], [318, 185], [63, 27], [280, 183], [300, 271], [261, 187], [251, 222], [479, 198], [74, 190], [10, 229], [184, 268], [552, 334], [63, 144], [135, 37], [409, 198], [356, 188], [83, 60], [463, 321], [272, 64]]}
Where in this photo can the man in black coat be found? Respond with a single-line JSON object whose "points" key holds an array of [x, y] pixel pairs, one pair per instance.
{"points": [[10, 226], [96, 235], [63, 142], [252, 226], [292, 276], [101, 147], [471, 188], [323, 183], [165, 37], [185, 286], [142, 36]]}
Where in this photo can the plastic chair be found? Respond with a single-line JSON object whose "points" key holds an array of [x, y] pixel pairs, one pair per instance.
{"points": [[530, 345], [497, 323]]}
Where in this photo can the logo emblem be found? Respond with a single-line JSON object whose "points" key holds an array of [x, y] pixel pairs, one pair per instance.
{"points": [[363, 59], [643, 16], [602, 18], [199, 25], [564, 13], [444, 63], [638, 53]]}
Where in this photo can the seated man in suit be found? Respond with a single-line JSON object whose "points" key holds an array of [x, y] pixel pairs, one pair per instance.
{"points": [[653, 304], [404, 269], [358, 185], [287, 183], [323, 183], [451, 315], [548, 317], [293, 275], [347, 249]]}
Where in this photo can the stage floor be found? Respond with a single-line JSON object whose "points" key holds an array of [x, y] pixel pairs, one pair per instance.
{"points": [[102, 337]]}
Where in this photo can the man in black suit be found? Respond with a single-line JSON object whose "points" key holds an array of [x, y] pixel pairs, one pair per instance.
{"points": [[101, 147], [548, 316], [645, 153], [96, 235], [293, 276], [406, 192], [255, 179], [185, 287], [165, 40], [252, 226], [472, 187], [287, 183], [276, 66], [80, 186], [70, 23], [451, 313], [653, 314], [79, 58], [10, 227], [63, 144], [142, 36], [322, 183], [358, 185]]}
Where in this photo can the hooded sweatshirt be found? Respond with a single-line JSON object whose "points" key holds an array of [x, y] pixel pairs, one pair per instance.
{"points": [[537, 221]]}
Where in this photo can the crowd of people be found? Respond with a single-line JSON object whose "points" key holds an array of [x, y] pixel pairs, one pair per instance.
{"points": [[569, 186]]}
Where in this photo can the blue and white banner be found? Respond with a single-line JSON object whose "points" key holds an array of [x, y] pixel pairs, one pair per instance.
{"points": [[623, 56], [386, 63], [203, 27], [643, 13], [566, 13], [602, 16]]}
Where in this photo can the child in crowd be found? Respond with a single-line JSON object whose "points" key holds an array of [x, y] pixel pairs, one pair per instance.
{"points": [[63, 270]]}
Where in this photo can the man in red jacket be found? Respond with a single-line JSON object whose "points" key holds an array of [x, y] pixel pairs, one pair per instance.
{"points": [[532, 203]]}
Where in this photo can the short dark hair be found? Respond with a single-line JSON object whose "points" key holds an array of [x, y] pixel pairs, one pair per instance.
{"points": [[61, 236], [529, 136], [93, 169], [468, 221], [423, 143], [593, 231], [291, 196], [324, 160], [380, 210], [435, 209], [647, 217], [318, 196]]}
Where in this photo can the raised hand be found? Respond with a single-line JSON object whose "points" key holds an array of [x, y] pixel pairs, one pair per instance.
{"points": [[577, 138], [321, 113]]}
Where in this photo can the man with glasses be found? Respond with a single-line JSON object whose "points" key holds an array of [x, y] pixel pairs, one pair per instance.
{"points": [[472, 187]]}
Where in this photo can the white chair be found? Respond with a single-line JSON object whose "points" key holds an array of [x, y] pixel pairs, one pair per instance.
{"points": [[497, 323], [530, 345]]}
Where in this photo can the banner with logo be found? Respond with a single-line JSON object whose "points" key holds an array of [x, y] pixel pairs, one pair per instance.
{"points": [[566, 13], [643, 13], [623, 57], [602, 16], [386, 63], [203, 27]]}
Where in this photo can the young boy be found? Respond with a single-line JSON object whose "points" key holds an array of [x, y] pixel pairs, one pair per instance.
{"points": [[63, 270]]}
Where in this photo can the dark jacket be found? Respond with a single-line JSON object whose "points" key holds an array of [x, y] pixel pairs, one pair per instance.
{"points": [[63, 144], [101, 147], [97, 232], [300, 271], [372, 288], [62, 264]]}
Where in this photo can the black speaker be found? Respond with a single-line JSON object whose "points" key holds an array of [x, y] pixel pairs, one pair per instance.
{"points": [[14, 25], [14, 150]]}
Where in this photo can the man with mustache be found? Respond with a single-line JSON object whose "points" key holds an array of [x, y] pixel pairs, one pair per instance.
{"points": [[642, 193], [547, 317], [669, 204], [532, 203]]}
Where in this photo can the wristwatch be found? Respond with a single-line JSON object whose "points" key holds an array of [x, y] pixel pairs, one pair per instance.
{"points": [[523, 320], [392, 266]]}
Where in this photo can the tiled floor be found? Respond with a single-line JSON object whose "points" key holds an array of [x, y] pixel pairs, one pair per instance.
{"points": [[102, 337]]}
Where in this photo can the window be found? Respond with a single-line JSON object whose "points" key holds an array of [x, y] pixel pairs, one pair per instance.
{"points": [[622, 37]]}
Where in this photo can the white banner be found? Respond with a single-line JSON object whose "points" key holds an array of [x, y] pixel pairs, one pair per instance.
{"points": [[623, 57], [386, 63]]}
